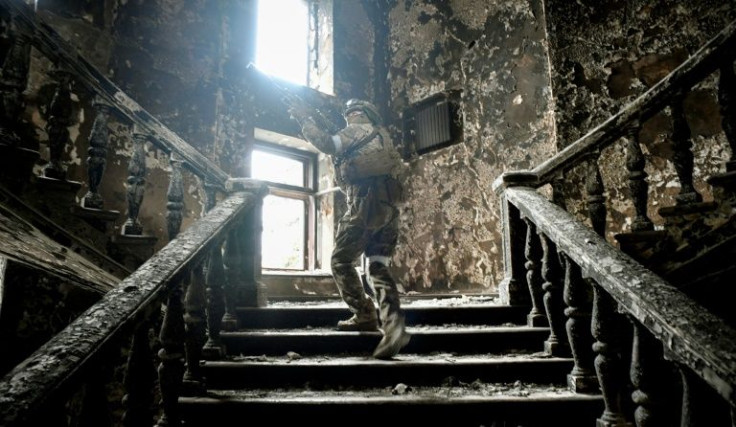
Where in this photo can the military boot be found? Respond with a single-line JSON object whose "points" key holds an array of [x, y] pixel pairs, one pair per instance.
{"points": [[395, 336], [364, 320]]}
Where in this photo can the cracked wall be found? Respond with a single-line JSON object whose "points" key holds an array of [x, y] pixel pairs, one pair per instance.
{"points": [[496, 53]]}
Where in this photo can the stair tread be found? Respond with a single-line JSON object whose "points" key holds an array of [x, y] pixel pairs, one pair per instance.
{"points": [[476, 391], [407, 301], [411, 329], [402, 359]]}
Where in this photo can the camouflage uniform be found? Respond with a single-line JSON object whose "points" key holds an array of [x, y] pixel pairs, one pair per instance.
{"points": [[370, 226]]}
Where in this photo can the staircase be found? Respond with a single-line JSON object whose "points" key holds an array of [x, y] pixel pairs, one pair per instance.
{"points": [[471, 361]]}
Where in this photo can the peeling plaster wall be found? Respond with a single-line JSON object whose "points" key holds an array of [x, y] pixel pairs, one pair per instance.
{"points": [[353, 45], [604, 54], [496, 52]]}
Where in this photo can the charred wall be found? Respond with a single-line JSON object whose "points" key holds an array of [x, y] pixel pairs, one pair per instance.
{"points": [[496, 54]]}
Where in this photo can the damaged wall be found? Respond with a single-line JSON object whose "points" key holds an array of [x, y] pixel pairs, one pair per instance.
{"points": [[496, 53], [604, 54]]}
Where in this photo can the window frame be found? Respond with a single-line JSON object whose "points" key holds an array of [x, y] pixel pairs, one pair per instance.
{"points": [[306, 193]]}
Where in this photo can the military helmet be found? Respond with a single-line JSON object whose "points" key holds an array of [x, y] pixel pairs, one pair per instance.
{"points": [[366, 107]]}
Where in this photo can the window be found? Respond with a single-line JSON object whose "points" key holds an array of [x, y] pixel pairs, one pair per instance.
{"points": [[282, 39], [288, 211]]}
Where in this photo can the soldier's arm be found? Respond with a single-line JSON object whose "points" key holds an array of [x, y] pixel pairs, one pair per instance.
{"points": [[319, 137]]}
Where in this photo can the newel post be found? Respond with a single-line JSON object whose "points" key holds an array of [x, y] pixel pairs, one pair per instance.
{"points": [[242, 257], [513, 290]]}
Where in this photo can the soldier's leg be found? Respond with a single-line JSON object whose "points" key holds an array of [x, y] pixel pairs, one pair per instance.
{"points": [[349, 244], [379, 250]]}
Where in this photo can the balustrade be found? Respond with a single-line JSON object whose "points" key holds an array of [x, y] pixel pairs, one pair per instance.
{"points": [[184, 280]]}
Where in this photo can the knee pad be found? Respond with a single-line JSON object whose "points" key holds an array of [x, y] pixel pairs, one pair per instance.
{"points": [[379, 259]]}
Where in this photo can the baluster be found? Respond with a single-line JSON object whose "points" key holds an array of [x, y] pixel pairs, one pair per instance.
{"points": [[553, 303], [171, 367], [637, 180], [139, 381], [232, 267], [95, 407], [683, 157], [608, 361], [582, 378], [175, 198], [136, 185], [647, 377], [97, 154], [59, 119], [196, 322], [215, 275], [596, 201], [727, 102], [701, 404], [533, 253], [13, 81]]}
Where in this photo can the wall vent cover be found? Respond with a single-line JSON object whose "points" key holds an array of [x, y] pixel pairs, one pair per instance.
{"points": [[432, 123]]}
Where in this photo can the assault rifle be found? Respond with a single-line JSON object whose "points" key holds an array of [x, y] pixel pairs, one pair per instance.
{"points": [[298, 107]]}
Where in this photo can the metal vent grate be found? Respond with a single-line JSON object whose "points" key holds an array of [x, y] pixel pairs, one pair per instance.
{"points": [[433, 123], [433, 126]]}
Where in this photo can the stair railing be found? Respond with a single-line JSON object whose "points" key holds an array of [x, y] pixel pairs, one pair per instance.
{"points": [[72, 73], [198, 278], [626, 328], [39, 389]]}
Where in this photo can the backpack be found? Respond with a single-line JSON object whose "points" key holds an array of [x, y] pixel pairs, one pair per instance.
{"points": [[371, 154]]}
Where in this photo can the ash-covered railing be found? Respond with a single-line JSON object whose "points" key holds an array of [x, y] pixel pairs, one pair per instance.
{"points": [[74, 76], [184, 295], [38, 391], [658, 357]]}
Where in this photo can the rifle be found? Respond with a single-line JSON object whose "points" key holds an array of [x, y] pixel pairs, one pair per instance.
{"points": [[297, 105]]}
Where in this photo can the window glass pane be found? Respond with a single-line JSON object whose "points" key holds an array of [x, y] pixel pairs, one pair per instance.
{"points": [[275, 168], [281, 46], [283, 233]]}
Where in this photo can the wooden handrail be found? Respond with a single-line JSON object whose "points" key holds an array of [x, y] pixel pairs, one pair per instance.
{"points": [[51, 44], [60, 363], [690, 334], [706, 60]]}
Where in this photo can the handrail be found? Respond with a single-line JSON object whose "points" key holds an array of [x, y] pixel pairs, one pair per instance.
{"points": [[53, 45], [690, 72], [690, 334], [63, 360]]}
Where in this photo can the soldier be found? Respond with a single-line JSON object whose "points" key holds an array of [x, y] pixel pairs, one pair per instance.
{"points": [[366, 164]]}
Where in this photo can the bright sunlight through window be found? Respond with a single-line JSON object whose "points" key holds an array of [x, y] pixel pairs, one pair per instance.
{"points": [[283, 218], [283, 30]]}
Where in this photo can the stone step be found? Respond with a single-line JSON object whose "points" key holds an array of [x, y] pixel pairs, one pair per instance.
{"points": [[327, 314], [458, 339], [362, 371], [473, 404]]}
